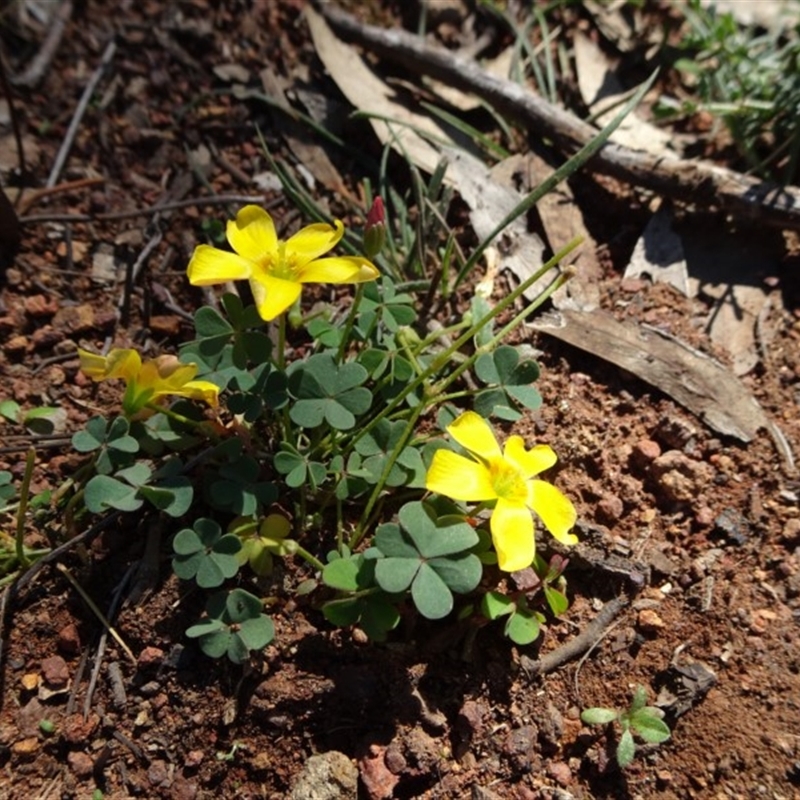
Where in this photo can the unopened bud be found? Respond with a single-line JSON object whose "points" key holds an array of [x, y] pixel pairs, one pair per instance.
{"points": [[375, 229]]}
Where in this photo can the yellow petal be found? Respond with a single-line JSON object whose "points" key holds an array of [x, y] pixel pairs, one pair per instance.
{"points": [[92, 364], [205, 391], [313, 241], [512, 536], [554, 509], [529, 462], [124, 363], [475, 434], [209, 265], [273, 295], [459, 478], [252, 234], [338, 269]]}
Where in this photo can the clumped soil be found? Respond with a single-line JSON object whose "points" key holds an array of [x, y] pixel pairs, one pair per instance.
{"points": [[700, 532]]}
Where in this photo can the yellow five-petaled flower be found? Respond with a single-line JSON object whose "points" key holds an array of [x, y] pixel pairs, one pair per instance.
{"points": [[276, 269], [506, 476], [147, 383]]}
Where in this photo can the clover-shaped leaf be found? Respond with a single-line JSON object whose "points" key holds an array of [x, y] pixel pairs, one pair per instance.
{"points": [[113, 440], [235, 486], [103, 492], [171, 492], [298, 469], [383, 303], [327, 392], [234, 626], [377, 447], [509, 381], [203, 553], [428, 555]]}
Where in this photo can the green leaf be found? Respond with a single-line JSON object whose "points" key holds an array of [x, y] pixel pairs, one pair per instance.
{"points": [[103, 492], [10, 409], [327, 392], [436, 536], [557, 600], [495, 605], [204, 554], [461, 573], [599, 716], [509, 381], [257, 633], [45, 420], [626, 749], [341, 574], [430, 593], [522, 627], [649, 725], [428, 554], [395, 575]]}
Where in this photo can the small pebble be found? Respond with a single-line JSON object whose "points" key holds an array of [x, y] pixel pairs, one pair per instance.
{"points": [[80, 764]]}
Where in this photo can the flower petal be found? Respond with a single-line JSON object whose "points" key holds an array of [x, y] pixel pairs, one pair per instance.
{"points": [[512, 536], [273, 295], [93, 365], [529, 462], [338, 269], [205, 391], [252, 234], [313, 241], [209, 265], [554, 509], [459, 478], [475, 434], [119, 363]]}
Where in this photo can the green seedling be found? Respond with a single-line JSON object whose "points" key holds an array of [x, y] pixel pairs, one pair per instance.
{"points": [[638, 719]]}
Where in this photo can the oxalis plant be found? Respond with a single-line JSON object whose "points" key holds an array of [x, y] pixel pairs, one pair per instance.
{"points": [[638, 719], [358, 442], [271, 452]]}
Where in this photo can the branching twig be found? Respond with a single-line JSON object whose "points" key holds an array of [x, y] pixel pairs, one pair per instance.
{"points": [[691, 182], [577, 645]]}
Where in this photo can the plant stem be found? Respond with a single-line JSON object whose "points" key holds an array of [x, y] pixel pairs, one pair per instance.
{"points": [[24, 493]]}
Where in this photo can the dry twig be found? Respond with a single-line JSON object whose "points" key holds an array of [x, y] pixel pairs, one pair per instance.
{"points": [[577, 645], [696, 183]]}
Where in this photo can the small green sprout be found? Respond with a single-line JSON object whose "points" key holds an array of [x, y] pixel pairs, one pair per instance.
{"points": [[640, 719]]}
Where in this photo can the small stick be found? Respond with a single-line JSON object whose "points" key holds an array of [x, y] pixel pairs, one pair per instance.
{"points": [[97, 612], [72, 131], [577, 645], [41, 61], [34, 197], [211, 200]]}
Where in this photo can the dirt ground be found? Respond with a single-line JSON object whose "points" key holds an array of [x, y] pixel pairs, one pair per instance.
{"points": [[699, 532]]}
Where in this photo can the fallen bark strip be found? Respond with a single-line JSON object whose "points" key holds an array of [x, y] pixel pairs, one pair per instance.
{"points": [[696, 183], [577, 645]]}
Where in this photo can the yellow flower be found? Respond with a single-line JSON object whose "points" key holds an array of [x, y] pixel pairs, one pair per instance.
{"points": [[276, 269], [147, 382], [507, 477]]}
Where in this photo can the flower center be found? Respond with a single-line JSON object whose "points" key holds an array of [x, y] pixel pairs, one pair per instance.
{"points": [[280, 265], [507, 481]]}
